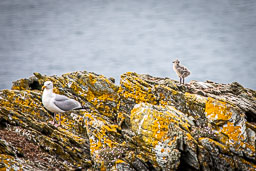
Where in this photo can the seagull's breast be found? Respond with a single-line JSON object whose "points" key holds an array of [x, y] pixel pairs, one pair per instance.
{"points": [[175, 68], [48, 102]]}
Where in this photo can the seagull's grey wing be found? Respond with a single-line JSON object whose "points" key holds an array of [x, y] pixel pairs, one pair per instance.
{"points": [[66, 104], [181, 70], [184, 71], [59, 97]]}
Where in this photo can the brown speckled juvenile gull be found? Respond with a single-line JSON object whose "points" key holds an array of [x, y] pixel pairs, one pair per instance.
{"points": [[57, 103], [180, 70]]}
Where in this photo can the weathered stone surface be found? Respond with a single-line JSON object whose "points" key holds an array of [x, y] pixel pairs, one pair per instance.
{"points": [[145, 123]]}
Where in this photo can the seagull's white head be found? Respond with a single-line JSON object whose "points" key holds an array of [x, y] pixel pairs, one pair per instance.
{"points": [[47, 85], [176, 61]]}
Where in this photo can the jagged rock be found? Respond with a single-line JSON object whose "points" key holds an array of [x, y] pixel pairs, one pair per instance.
{"points": [[145, 123]]}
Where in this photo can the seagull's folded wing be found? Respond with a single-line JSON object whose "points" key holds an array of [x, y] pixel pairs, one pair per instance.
{"points": [[59, 97], [183, 71], [66, 104]]}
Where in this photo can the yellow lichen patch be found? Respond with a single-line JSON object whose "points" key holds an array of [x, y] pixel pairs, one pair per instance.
{"points": [[133, 90], [191, 140], [98, 131], [10, 163], [217, 110], [100, 92], [70, 120], [119, 161], [195, 102], [252, 126], [233, 132], [236, 138], [25, 102], [221, 147], [251, 166], [230, 124], [105, 141], [55, 90], [111, 128], [137, 89], [179, 119], [66, 134], [195, 98], [249, 147], [101, 103], [166, 95], [151, 124]]}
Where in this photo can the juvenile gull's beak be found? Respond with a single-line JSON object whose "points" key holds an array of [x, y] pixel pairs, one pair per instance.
{"points": [[43, 87]]}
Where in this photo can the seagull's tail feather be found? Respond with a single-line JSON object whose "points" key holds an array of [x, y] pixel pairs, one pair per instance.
{"points": [[82, 107]]}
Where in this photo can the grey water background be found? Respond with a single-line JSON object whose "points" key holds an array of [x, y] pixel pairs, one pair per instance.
{"points": [[215, 39]]}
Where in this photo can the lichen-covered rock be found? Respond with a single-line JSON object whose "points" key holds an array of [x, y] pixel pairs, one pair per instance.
{"points": [[145, 123], [162, 133], [21, 109]]}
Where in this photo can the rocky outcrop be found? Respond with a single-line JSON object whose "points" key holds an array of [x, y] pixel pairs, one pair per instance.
{"points": [[145, 123]]}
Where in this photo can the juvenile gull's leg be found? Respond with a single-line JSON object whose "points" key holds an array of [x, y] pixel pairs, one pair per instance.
{"points": [[180, 80]]}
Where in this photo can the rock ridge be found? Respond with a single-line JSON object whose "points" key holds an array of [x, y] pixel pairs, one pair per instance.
{"points": [[145, 123]]}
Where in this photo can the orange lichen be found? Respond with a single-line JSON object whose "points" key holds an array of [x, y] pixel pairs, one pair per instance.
{"points": [[223, 148], [233, 132], [136, 89], [10, 163], [119, 161], [99, 138], [151, 124], [217, 110]]}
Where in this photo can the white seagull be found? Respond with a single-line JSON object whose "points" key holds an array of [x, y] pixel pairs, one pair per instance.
{"points": [[57, 103], [180, 70]]}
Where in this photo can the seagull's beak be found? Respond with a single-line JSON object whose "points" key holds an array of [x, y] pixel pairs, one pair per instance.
{"points": [[43, 87]]}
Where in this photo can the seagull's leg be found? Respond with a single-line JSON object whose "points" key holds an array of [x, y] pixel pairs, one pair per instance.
{"points": [[59, 122], [60, 119], [53, 122], [180, 80], [54, 118], [183, 80]]}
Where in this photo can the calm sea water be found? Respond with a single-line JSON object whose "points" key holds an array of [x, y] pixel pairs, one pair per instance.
{"points": [[214, 39]]}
